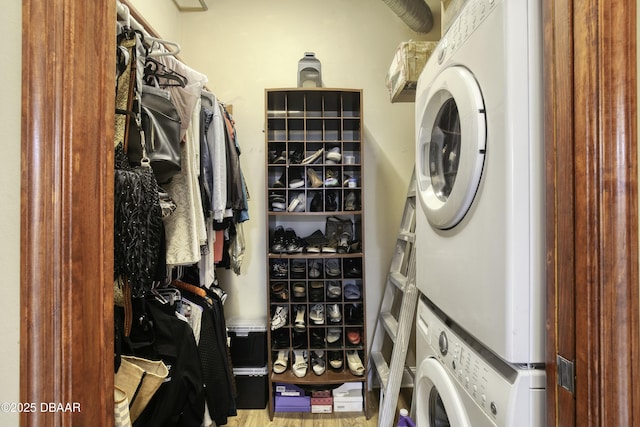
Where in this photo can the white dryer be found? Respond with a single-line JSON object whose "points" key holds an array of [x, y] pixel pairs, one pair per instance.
{"points": [[459, 383], [480, 176]]}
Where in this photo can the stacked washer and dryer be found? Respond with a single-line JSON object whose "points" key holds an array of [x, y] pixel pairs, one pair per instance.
{"points": [[480, 225]]}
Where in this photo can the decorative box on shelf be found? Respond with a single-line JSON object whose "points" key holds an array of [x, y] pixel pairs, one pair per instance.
{"points": [[405, 69]]}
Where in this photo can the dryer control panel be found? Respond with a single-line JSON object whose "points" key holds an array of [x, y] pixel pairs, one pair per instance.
{"points": [[493, 384], [474, 12]]}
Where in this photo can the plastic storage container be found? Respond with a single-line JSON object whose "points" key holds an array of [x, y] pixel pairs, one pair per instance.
{"points": [[251, 384], [248, 342]]}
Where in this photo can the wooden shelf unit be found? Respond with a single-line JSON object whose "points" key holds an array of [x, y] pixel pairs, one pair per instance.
{"points": [[299, 123]]}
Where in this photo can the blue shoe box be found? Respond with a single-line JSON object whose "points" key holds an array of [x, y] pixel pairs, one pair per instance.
{"points": [[293, 403]]}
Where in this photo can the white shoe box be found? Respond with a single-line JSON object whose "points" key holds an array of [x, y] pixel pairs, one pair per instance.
{"points": [[348, 398]]}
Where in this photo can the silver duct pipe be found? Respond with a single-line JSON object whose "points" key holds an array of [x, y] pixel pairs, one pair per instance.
{"points": [[415, 13]]}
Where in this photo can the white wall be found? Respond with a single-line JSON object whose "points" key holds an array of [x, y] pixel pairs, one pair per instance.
{"points": [[247, 47], [10, 74], [163, 15]]}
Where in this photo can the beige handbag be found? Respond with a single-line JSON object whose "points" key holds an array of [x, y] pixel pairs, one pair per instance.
{"points": [[140, 379], [121, 415]]}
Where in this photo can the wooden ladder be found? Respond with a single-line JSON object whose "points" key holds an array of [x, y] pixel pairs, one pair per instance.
{"points": [[396, 318]]}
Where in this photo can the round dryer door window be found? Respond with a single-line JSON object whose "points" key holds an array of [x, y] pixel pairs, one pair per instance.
{"points": [[451, 147]]}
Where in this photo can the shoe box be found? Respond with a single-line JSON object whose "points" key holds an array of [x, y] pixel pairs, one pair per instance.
{"points": [[321, 402], [291, 398], [348, 397], [251, 385], [248, 342]]}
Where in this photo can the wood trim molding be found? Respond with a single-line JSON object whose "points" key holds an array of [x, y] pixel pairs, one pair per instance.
{"points": [[558, 90], [67, 210], [593, 307], [606, 213]]}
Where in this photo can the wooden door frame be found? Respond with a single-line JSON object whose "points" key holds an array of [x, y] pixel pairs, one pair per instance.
{"points": [[67, 210], [592, 221], [66, 255]]}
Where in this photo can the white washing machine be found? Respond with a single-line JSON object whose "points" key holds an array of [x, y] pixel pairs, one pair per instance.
{"points": [[459, 383], [480, 176]]}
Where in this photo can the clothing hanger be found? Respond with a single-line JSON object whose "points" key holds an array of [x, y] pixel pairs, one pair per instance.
{"points": [[155, 71], [171, 294], [189, 288], [161, 46]]}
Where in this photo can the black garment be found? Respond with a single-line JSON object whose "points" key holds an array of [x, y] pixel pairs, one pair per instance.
{"points": [[180, 399], [216, 365], [235, 189], [205, 177]]}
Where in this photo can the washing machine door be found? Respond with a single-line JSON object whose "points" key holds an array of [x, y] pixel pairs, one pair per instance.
{"points": [[451, 144], [438, 404]]}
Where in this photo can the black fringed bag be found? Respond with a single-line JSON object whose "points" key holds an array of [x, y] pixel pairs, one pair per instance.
{"points": [[137, 224]]}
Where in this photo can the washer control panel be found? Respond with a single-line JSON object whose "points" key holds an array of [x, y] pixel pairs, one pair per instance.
{"points": [[471, 15], [487, 380]]}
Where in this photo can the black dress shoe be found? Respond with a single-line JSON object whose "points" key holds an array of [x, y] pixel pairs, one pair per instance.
{"points": [[353, 314], [280, 338], [316, 295], [353, 267], [296, 157], [317, 338], [299, 340], [331, 204], [316, 203]]}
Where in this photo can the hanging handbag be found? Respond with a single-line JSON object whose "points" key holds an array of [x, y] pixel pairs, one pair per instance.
{"points": [[140, 379], [138, 228], [160, 126]]}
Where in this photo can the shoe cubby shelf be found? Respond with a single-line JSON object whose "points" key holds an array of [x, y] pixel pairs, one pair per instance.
{"points": [[316, 295]]}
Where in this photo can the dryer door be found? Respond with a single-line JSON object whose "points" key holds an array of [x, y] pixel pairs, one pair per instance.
{"points": [[451, 147], [438, 404]]}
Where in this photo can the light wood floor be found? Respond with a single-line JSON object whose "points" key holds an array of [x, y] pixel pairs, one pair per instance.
{"points": [[260, 418]]}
